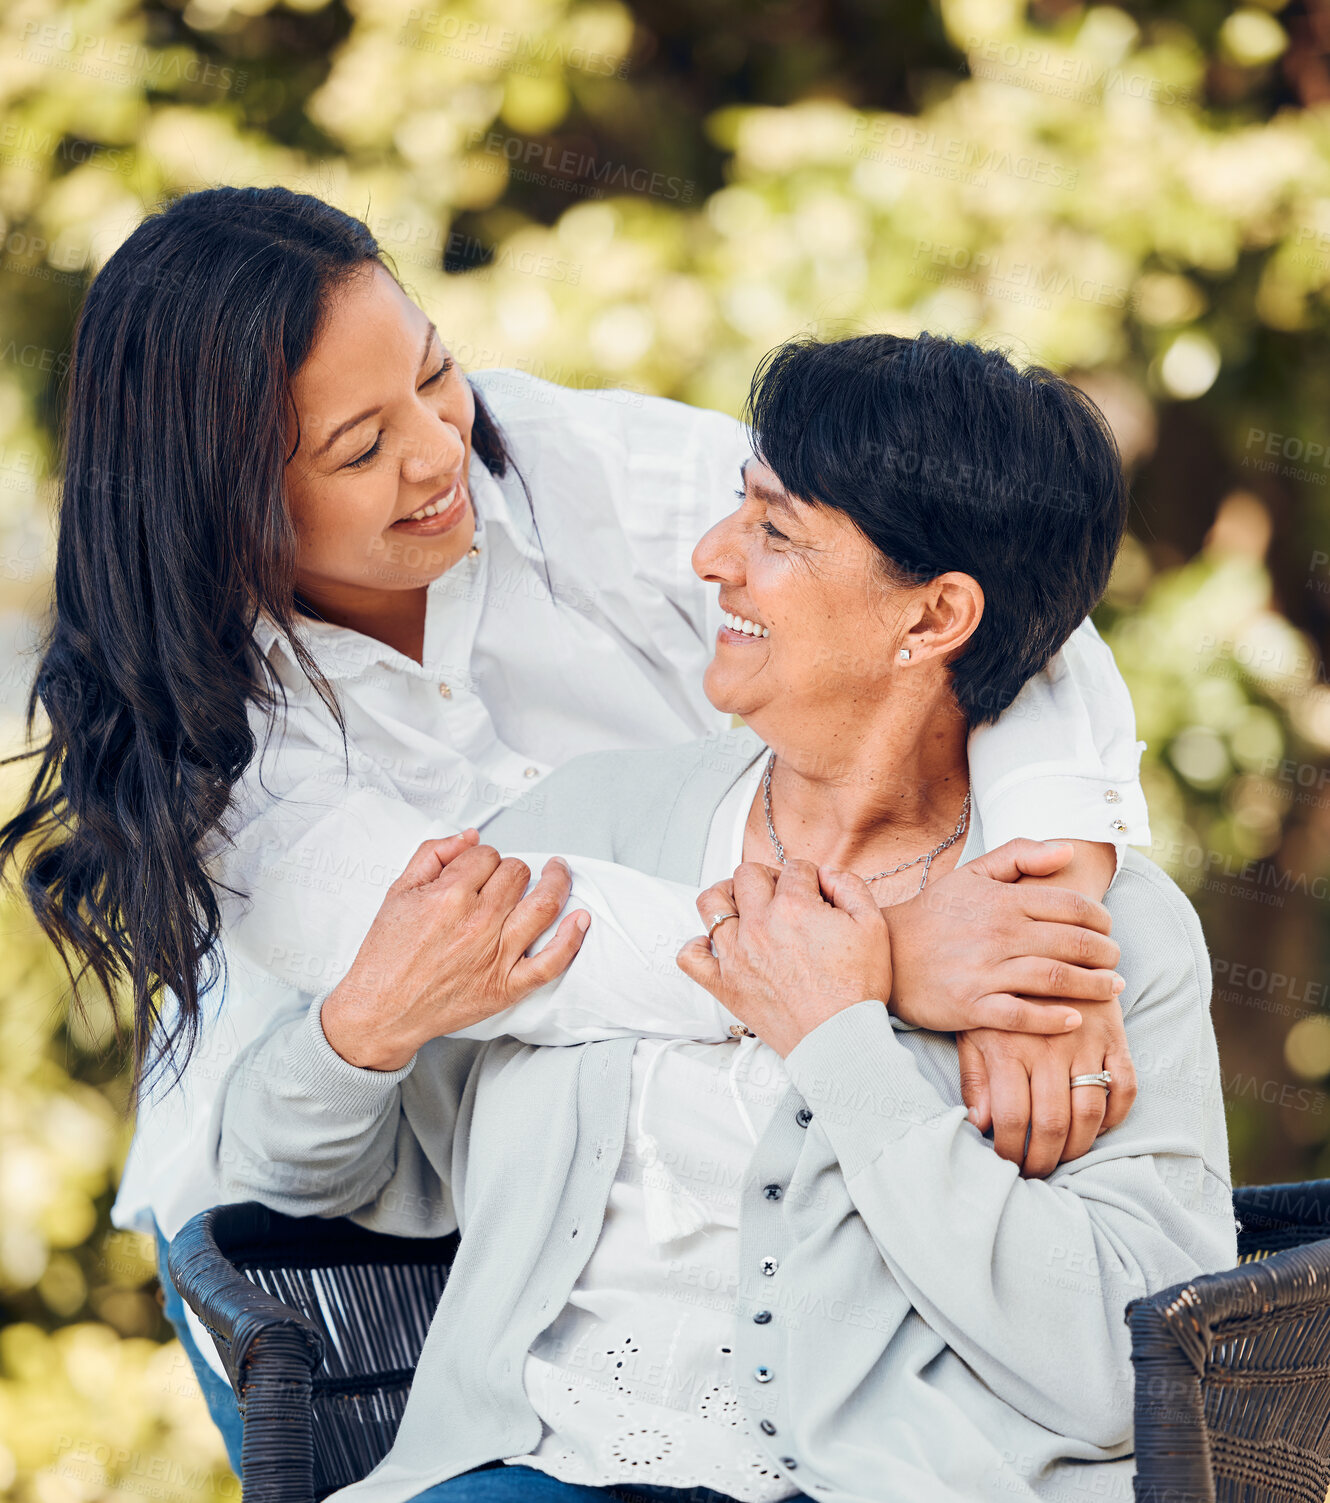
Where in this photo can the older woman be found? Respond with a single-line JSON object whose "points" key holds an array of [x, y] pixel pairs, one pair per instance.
{"points": [[855, 1297]]}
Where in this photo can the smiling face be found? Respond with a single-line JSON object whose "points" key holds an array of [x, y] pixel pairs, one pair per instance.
{"points": [[810, 617], [377, 488], [815, 624]]}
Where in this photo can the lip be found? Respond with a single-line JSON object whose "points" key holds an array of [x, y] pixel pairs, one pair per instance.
{"points": [[445, 520]]}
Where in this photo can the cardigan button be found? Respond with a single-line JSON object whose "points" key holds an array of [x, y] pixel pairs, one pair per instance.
{"points": [[762, 1318], [772, 1192], [803, 1116], [1112, 796], [766, 1427], [531, 772], [769, 1267], [445, 692], [789, 1463], [1118, 825], [763, 1374]]}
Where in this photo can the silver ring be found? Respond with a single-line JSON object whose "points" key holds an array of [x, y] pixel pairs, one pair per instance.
{"points": [[1099, 1078], [718, 921]]}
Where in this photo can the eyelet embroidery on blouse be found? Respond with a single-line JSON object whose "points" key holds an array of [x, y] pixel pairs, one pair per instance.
{"points": [[640, 1448]]}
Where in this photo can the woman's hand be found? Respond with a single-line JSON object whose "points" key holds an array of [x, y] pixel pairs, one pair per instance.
{"points": [[448, 948], [1015, 1082], [790, 960], [976, 946]]}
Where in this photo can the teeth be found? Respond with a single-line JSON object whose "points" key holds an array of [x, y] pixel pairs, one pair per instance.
{"points": [[749, 628], [432, 509]]}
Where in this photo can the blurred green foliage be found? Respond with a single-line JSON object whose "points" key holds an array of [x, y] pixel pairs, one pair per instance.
{"points": [[651, 195]]}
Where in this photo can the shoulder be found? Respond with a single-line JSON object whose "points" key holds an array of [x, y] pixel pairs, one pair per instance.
{"points": [[626, 805], [1163, 947]]}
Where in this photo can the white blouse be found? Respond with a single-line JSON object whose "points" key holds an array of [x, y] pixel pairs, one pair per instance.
{"points": [[633, 1380]]}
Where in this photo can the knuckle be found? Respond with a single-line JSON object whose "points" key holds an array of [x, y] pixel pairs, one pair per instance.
{"points": [[1057, 978]]}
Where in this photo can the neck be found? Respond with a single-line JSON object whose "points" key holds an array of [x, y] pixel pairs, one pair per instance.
{"points": [[870, 791], [395, 617]]}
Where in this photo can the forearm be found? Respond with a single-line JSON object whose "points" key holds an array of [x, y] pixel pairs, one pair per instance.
{"points": [[303, 1131], [624, 979], [994, 1262]]}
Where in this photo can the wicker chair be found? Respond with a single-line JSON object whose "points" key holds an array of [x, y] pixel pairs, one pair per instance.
{"points": [[319, 1324]]}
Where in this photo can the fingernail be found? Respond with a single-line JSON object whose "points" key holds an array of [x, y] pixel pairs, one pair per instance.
{"points": [[1119, 985], [972, 1116], [1072, 1020], [583, 921]]}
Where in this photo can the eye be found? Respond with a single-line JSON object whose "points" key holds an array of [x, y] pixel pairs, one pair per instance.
{"points": [[364, 459], [438, 374], [774, 532]]}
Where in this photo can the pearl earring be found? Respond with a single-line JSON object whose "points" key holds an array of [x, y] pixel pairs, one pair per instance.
{"points": [[905, 654]]}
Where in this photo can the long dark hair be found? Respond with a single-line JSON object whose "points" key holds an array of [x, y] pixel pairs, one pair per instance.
{"points": [[174, 535]]}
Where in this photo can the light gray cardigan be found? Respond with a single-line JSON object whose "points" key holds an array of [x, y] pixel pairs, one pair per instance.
{"points": [[940, 1329]]}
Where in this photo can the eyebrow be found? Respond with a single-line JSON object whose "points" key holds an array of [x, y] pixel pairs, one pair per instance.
{"points": [[431, 334], [772, 497]]}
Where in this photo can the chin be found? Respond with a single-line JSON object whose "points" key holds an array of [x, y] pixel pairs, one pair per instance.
{"points": [[724, 694]]}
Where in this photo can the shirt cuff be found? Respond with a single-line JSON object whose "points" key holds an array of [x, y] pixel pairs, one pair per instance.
{"points": [[862, 1084], [1068, 806], [323, 1073]]}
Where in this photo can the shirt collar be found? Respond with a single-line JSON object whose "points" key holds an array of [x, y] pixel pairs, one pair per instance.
{"points": [[341, 652]]}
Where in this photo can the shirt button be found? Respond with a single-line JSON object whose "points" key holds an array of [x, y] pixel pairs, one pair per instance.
{"points": [[473, 551], [766, 1427], [762, 1318], [772, 1192], [1112, 796], [1117, 824], [769, 1266], [763, 1374], [445, 692], [803, 1116], [738, 1031], [531, 772]]}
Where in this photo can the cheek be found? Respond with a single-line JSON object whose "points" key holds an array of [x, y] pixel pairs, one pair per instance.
{"points": [[338, 522]]}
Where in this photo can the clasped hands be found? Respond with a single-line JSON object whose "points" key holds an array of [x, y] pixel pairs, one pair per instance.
{"points": [[1021, 972]]}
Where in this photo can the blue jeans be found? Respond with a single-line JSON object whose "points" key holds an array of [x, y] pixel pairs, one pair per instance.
{"points": [[217, 1394], [497, 1483]]}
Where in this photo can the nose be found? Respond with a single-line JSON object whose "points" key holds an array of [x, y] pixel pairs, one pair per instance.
{"points": [[718, 556], [433, 449]]}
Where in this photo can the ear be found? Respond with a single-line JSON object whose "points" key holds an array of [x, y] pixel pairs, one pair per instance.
{"points": [[947, 611]]}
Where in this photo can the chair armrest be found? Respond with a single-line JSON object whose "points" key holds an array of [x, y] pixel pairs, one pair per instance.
{"points": [[270, 1352], [235, 1311], [1253, 1329]]}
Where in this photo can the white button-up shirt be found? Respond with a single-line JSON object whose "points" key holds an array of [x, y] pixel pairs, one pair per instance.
{"points": [[577, 624]]}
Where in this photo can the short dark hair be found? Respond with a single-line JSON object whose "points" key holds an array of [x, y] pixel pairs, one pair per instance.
{"points": [[946, 455]]}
